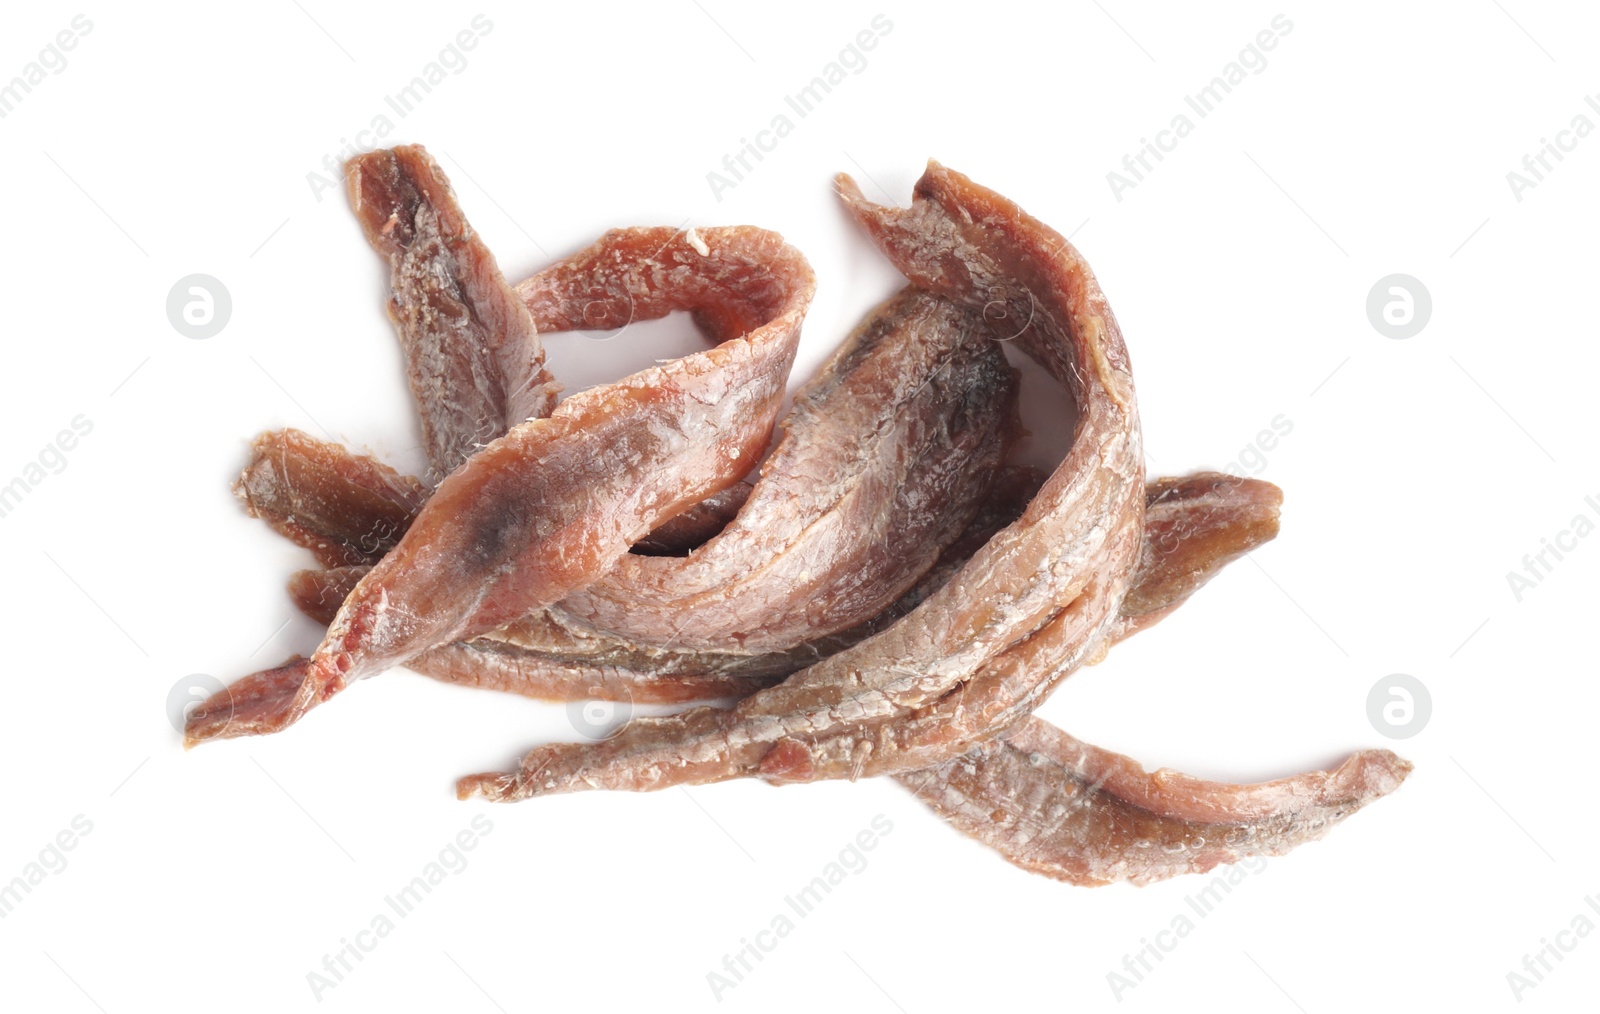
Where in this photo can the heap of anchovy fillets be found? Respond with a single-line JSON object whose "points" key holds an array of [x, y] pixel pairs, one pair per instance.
{"points": [[888, 597]]}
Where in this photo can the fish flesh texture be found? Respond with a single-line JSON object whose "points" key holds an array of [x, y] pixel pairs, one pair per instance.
{"points": [[1032, 603], [472, 351], [1055, 805], [886, 598], [551, 505], [884, 458]]}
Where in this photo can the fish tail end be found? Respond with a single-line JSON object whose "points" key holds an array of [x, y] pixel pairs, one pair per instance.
{"points": [[495, 786], [261, 703]]}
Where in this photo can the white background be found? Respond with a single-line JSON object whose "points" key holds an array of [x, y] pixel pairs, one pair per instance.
{"points": [[1418, 473]]}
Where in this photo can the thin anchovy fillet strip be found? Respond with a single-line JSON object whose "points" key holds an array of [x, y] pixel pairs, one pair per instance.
{"points": [[554, 503], [539, 657], [1054, 805], [346, 508], [351, 509], [472, 353], [1035, 601]]}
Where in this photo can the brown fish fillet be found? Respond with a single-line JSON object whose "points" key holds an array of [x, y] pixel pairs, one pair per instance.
{"points": [[472, 353], [886, 454], [1054, 805], [346, 508], [539, 657], [350, 508], [1035, 601], [1194, 525], [554, 503]]}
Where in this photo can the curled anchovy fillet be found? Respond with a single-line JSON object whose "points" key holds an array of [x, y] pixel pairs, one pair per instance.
{"points": [[885, 456], [1057, 806], [472, 352], [1032, 603], [554, 503]]}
